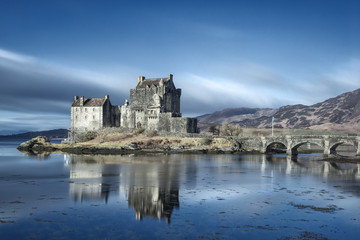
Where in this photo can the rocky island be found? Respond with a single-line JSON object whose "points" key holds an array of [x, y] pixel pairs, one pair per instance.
{"points": [[110, 141]]}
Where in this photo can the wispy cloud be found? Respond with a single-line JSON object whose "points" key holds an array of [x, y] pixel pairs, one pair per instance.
{"points": [[12, 121], [252, 85], [341, 78], [33, 86], [11, 56]]}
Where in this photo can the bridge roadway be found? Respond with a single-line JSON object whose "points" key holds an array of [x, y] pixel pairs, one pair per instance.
{"points": [[329, 143]]}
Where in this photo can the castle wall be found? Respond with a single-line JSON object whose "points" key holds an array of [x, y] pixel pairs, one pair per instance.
{"points": [[116, 115], [172, 101], [86, 118], [127, 117], [183, 125], [164, 122], [107, 114], [140, 119], [141, 98]]}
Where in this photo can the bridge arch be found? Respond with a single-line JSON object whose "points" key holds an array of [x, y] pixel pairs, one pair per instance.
{"points": [[334, 146], [276, 147], [295, 146]]}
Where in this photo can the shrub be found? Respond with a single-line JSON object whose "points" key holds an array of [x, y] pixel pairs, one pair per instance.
{"points": [[151, 133], [140, 130], [206, 141], [90, 135]]}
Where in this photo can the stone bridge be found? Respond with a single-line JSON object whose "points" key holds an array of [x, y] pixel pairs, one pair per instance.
{"points": [[327, 142]]}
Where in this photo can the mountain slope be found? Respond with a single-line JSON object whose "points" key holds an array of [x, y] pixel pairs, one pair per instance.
{"points": [[343, 110], [236, 114]]}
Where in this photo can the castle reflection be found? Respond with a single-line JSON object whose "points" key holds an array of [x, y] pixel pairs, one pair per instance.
{"points": [[150, 185]]}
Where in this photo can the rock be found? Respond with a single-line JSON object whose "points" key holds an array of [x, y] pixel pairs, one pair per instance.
{"points": [[177, 147], [36, 143], [197, 150], [227, 149], [132, 147]]}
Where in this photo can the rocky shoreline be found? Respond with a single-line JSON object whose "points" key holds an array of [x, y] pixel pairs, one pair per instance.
{"points": [[42, 144]]}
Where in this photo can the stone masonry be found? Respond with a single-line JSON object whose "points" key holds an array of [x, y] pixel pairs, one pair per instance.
{"points": [[154, 105]]}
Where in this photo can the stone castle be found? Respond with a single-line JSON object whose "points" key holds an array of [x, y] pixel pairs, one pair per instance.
{"points": [[154, 105]]}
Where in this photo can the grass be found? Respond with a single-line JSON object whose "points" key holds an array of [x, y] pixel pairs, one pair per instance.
{"points": [[149, 141]]}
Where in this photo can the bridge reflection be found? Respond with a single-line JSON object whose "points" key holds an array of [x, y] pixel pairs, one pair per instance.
{"points": [[310, 165]]}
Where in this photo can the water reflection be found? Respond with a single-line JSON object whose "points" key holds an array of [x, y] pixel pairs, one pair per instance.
{"points": [[150, 185], [307, 164]]}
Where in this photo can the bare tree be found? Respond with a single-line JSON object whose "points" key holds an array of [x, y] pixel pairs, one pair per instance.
{"points": [[230, 129], [214, 129]]}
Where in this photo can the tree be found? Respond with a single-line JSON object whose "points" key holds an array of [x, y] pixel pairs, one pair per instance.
{"points": [[214, 129], [230, 129]]}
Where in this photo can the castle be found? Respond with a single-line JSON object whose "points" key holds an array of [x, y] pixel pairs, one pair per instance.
{"points": [[154, 105]]}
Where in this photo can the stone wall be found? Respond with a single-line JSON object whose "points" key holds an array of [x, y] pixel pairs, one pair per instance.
{"points": [[141, 98], [183, 125], [172, 101], [116, 115], [86, 118]]}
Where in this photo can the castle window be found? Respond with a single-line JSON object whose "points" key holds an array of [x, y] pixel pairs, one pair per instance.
{"points": [[85, 109], [93, 109], [76, 117], [93, 116], [85, 117], [76, 109]]}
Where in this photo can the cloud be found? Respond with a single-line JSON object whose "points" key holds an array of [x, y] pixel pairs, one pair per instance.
{"points": [[12, 121], [342, 78], [28, 84], [32, 86], [245, 84], [345, 77], [10, 56]]}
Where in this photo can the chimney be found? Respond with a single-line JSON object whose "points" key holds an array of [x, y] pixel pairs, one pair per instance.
{"points": [[76, 98], [141, 78], [82, 101], [170, 76]]}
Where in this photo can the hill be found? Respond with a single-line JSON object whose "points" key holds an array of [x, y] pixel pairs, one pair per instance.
{"points": [[338, 113], [56, 133]]}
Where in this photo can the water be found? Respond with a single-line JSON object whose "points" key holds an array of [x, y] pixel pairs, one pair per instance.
{"points": [[176, 197]]}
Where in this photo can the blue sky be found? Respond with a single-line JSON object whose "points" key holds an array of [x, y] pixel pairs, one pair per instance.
{"points": [[222, 54]]}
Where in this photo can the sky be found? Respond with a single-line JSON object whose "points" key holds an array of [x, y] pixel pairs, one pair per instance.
{"points": [[223, 54]]}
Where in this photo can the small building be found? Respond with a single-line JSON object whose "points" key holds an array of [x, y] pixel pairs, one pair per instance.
{"points": [[154, 105]]}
